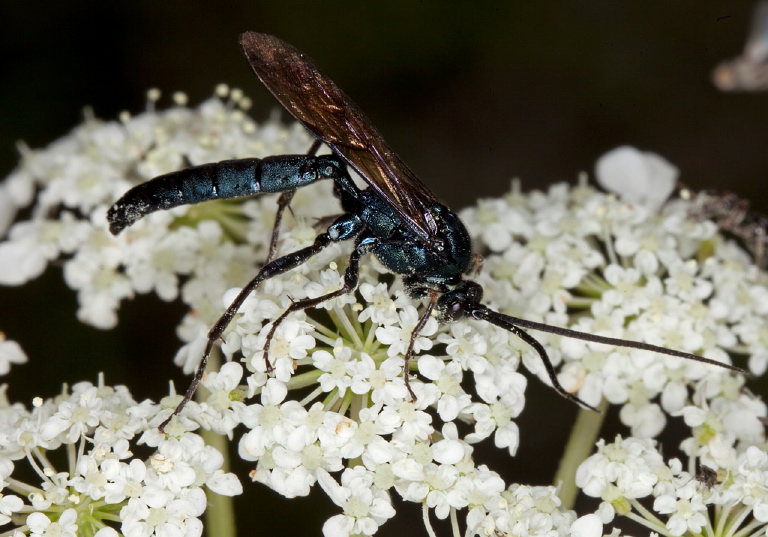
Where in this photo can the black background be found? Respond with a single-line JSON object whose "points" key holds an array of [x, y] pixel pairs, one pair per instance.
{"points": [[469, 95]]}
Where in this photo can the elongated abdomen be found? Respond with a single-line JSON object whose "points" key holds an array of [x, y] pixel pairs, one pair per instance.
{"points": [[220, 180]]}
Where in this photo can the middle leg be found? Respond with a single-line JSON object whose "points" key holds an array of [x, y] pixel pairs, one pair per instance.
{"points": [[351, 278]]}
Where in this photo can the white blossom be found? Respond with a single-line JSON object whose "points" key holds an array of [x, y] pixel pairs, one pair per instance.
{"points": [[10, 353], [641, 177], [324, 396]]}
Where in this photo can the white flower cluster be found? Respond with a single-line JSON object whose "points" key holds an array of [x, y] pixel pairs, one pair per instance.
{"points": [[330, 407], [82, 174], [575, 257], [628, 470], [92, 428]]}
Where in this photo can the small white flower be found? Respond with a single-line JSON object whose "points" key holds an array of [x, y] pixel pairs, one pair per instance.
{"points": [[645, 421], [382, 309], [688, 511], [75, 417], [587, 526], [65, 526], [31, 246], [640, 177], [365, 508], [10, 353], [398, 337], [449, 450], [9, 504]]}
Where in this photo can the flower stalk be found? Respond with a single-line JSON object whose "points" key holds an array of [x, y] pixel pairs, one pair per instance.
{"points": [[584, 434]]}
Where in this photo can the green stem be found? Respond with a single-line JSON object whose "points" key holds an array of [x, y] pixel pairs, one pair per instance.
{"points": [[647, 515], [737, 516], [661, 530], [425, 518], [20, 487], [220, 514], [579, 446], [455, 523]]}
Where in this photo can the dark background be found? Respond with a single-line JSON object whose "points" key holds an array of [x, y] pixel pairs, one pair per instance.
{"points": [[470, 96]]}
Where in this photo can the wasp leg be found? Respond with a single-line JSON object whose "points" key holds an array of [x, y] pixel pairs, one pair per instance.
{"points": [[351, 277], [414, 334], [270, 270], [284, 202]]}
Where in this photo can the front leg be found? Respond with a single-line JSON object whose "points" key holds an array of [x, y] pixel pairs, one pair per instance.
{"points": [[433, 296]]}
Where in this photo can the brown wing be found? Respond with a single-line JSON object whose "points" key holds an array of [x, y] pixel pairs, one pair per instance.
{"points": [[318, 103]]}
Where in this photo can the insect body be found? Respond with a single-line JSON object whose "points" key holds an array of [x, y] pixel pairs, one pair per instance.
{"points": [[708, 476], [732, 215], [397, 219]]}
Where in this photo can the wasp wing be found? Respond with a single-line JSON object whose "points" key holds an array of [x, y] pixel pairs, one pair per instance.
{"points": [[326, 111]]}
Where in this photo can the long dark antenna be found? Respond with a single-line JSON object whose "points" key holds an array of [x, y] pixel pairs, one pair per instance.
{"points": [[515, 325]]}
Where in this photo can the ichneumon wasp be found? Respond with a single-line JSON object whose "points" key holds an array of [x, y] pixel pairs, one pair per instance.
{"points": [[396, 218]]}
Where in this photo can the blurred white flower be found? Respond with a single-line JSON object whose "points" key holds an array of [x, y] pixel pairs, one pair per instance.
{"points": [[639, 177]]}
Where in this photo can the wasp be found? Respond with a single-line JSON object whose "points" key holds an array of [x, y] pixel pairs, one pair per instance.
{"points": [[396, 218]]}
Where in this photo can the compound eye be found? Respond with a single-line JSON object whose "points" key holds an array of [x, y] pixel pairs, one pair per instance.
{"points": [[455, 311]]}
